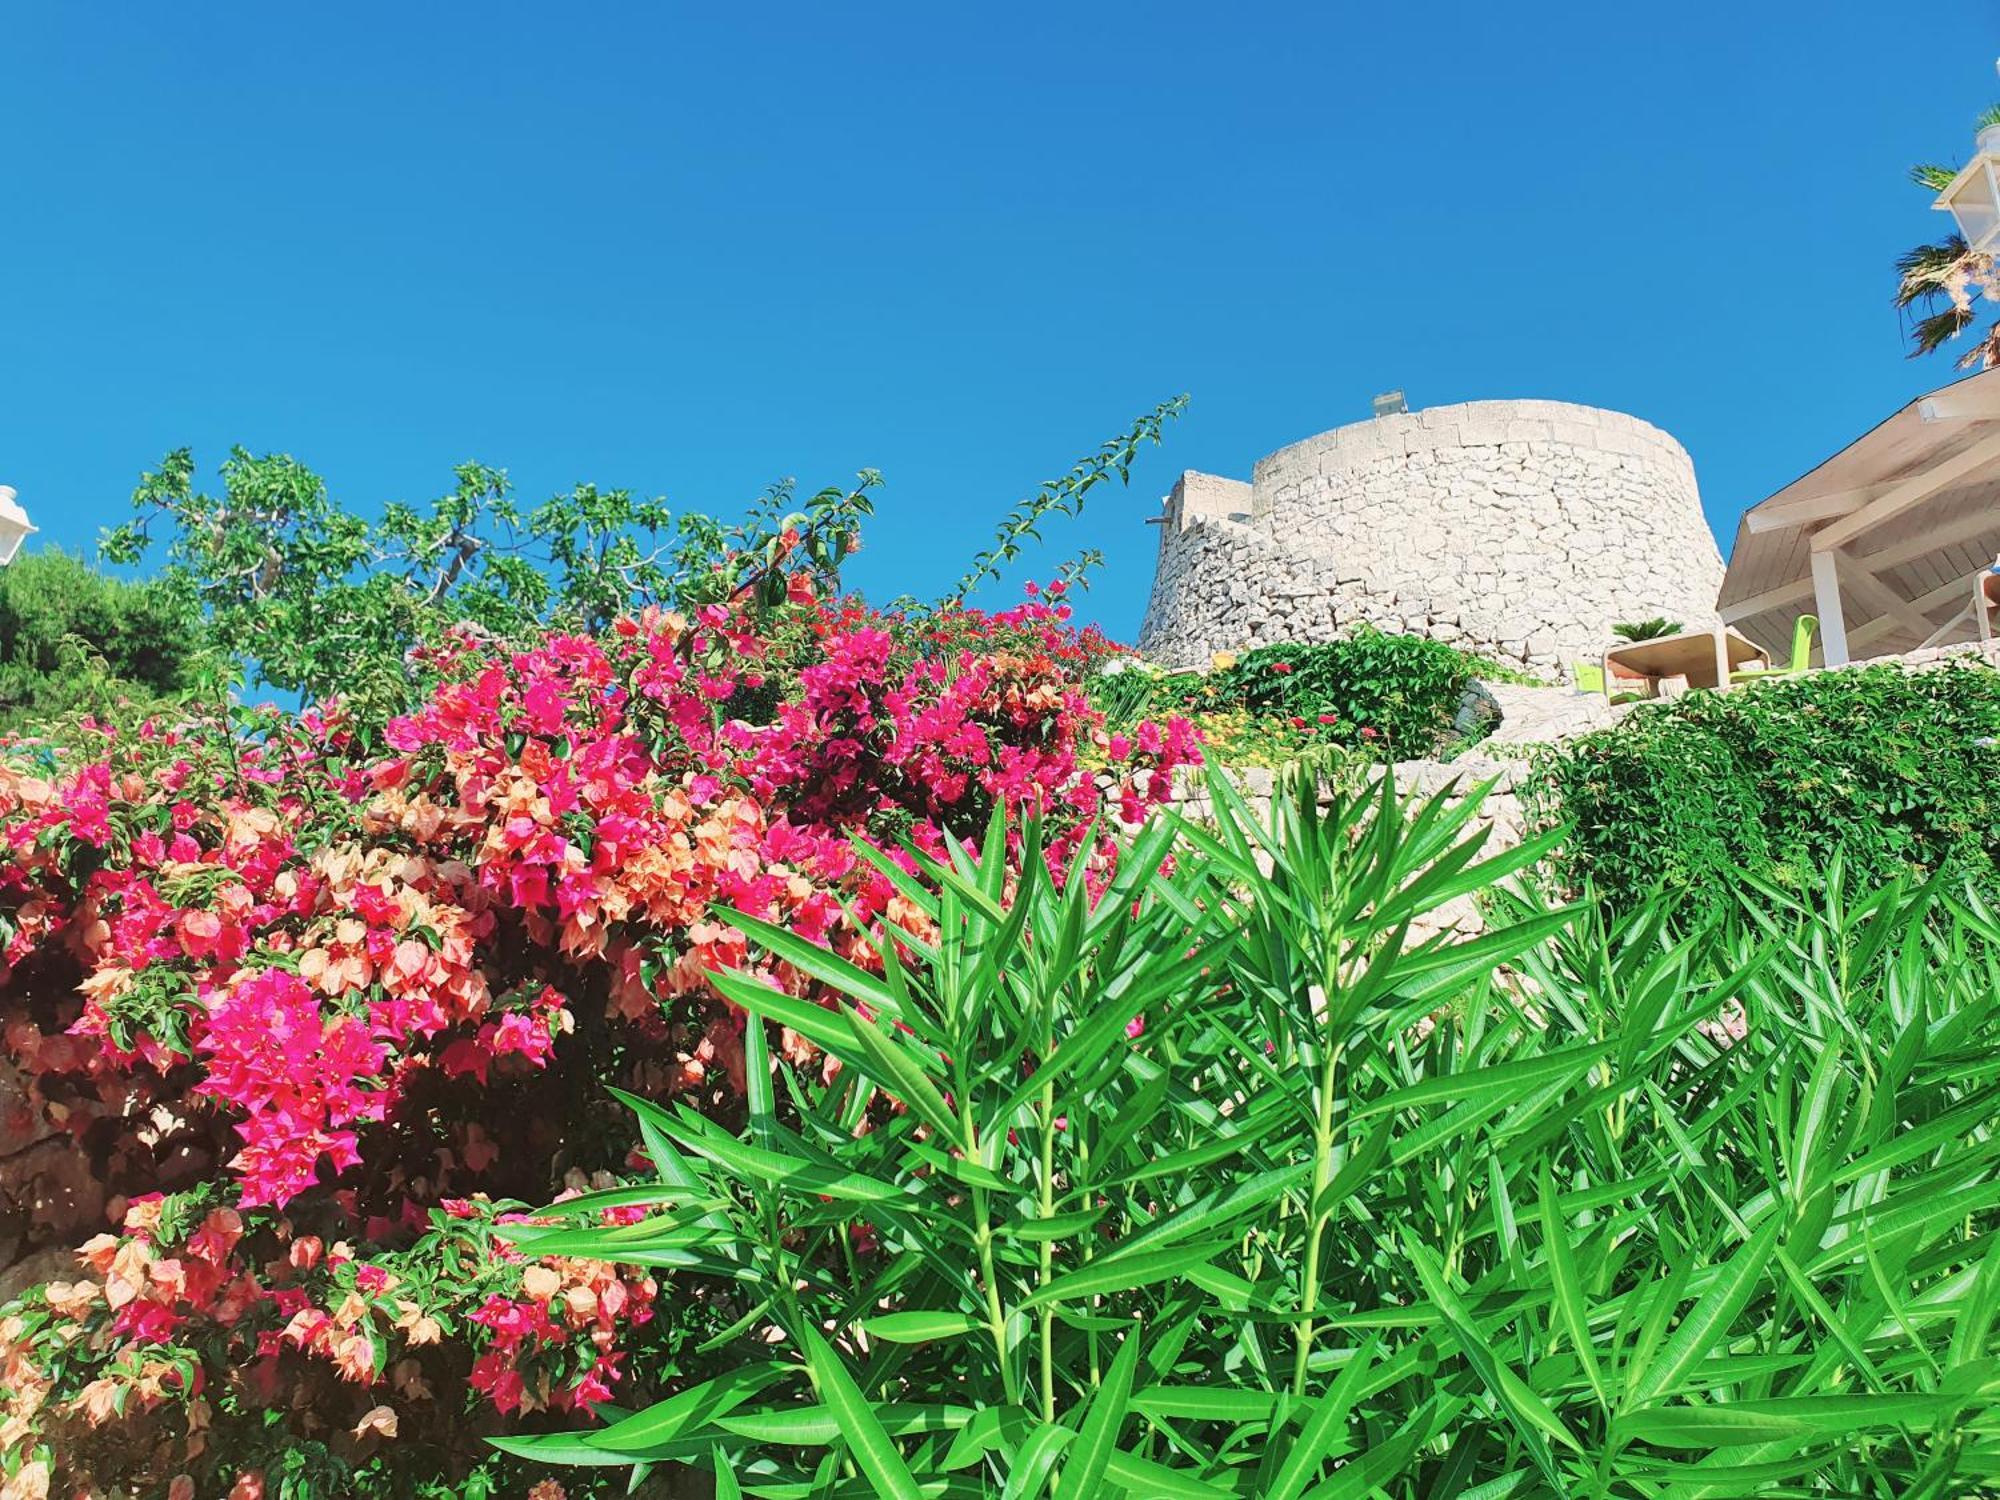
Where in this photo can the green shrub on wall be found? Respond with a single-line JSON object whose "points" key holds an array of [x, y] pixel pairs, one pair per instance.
{"points": [[1395, 693], [1893, 771], [1390, 697]]}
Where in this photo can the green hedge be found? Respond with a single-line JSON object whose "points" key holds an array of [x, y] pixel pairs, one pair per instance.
{"points": [[1392, 697], [74, 640], [1892, 770], [1390, 693]]}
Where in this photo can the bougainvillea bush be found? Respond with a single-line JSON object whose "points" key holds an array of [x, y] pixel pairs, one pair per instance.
{"points": [[326, 1017]]}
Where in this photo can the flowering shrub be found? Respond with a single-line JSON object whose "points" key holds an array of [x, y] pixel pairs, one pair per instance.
{"points": [[322, 1015]]}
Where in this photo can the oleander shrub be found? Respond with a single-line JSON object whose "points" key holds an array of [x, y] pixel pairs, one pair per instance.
{"points": [[1893, 772], [1221, 1184], [327, 1016]]}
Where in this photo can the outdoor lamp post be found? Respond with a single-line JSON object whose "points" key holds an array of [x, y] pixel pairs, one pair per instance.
{"points": [[1972, 198], [14, 527]]}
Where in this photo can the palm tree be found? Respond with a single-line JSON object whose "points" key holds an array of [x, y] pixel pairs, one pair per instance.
{"points": [[1647, 630], [1936, 283]]}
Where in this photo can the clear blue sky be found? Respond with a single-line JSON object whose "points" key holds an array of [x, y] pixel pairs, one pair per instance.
{"points": [[692, 249]]}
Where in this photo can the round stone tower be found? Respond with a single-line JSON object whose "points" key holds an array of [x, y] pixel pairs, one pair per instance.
{"points": [[1522, 530]]}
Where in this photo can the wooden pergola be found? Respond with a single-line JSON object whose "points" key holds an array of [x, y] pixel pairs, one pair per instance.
{"points": [[1885, 541]]}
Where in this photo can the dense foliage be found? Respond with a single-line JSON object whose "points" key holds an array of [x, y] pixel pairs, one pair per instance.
{"points": [[1386, 697], [1400, 690], [73, 640], [1892, 772], [1314, 1209], [342, 1006]]}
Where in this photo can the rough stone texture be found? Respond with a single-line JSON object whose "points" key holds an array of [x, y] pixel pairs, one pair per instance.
{"points": [[1519, 529], [1543, 715], [1934, 656]]}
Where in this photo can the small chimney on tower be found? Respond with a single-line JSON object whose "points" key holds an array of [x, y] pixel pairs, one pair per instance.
{"points": [[1390, 403]]}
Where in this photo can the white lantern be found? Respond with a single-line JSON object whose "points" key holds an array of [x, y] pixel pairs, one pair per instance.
{"points": [[1973, 196], [14, 527]]}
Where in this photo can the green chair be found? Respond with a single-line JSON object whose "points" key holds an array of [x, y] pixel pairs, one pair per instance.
{"points": [[1590, 679], [1802, 639]]}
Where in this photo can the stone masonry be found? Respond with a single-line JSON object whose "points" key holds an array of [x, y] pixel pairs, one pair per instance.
{"points": [[1522, 530]]}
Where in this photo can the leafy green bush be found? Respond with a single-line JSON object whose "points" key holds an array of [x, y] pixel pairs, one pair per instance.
{"points": [[1392, 693], [73, 640], [1219, 1185], [1893, 771], [1389, 696]]}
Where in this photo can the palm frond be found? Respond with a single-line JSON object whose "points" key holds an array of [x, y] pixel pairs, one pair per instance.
{"points": [[1646, 630], [1985, 354], [1926, 271], [1927, 335]]}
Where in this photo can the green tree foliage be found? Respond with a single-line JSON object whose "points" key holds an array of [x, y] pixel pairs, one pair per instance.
{"points": [[1382, 696], [73, 640], [1392, 693], [1391, 696], [319, 600], [1893, 772]]}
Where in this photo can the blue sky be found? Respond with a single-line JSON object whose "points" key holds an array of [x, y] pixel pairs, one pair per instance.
{"points": [[690, 250]]}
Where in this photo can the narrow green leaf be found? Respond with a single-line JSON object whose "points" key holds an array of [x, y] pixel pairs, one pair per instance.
{"points": [[1326, 1425], [1783, 1419], [892, 1064], [1533, 1418], [1102, 1277], [1709, 1319], [1570, 1303], [921, 1327], [1097, 1438], [1488, 1084], [810, 958], [873, 1451]]}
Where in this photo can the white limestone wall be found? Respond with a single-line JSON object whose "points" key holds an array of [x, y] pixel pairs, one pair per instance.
{"points": [[1520, 529]]}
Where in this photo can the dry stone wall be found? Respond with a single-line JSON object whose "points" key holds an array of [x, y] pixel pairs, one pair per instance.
{"points": [[1522, 530]]}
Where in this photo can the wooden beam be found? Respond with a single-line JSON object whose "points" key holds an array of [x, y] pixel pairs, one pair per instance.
{"points": [[1781, 515], [1877, 595], [1911, 491], [1880, 561], [1964, 529], [1957, 592], [1756, 604]]}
